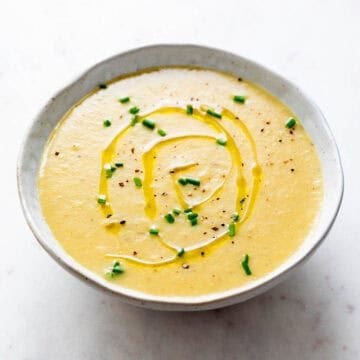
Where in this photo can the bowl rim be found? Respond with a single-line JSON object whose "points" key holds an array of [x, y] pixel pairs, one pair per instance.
{"points": [[181, 303]]}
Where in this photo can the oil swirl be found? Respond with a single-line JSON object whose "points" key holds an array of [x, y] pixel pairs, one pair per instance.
{"points": [[243, 190]]}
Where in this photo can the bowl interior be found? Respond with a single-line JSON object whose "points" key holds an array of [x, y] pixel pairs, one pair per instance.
{"points": [[183, 55]]}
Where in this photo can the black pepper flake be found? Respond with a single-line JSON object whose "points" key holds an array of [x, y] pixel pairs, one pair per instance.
{"points": [[121, 184], [240, 79], [222, 224], [233, 242], [268, 123], [262, 130], [134, 253], [57, 153], [215, 228], [280, 140], [217, 198], [292, 170], [291, 132], [122, 222], [132, 150], [204, 232], [137, 170], [185, 266], [108, 216], [172, 172], [202, 253]]}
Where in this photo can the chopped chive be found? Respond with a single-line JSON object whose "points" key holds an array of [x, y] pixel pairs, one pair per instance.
{"points": [[245, 265], [192, 216], [232, 230], [177, 211], [134, 120], [169, 218], [239, 99], [192, 181], [137, 181], [124, 100], [194, 221], [189, 109], [134, 110], [213, 113], [115, 269], [101, 199], [154, 230], [181, 252], [189, 210], [107, 123], [182, 181], [221, 142], [242, 200], [149, 124], [290, 123], [109, 170], [161, 132], [119, 164], [236, 217], [102, 86]]}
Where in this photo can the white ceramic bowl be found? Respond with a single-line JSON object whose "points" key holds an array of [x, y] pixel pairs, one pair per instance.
{"points": [[160, 55]]}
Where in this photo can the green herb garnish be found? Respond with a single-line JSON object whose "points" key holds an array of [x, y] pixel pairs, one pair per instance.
{"points": [[221, 142], [109, 170], [161, 132], [181, 252], [137, 181], [182, 181], [124, 100], [213, 113], [245, 265], [194, 221], [119, 164], [189, 109], [192, 216], [177, 211], [134, 110], [107, 123], [290, 123], [236, 217], [169, 218], [239, 99], [134, 120], [101, 199], [232, 230], [115, 269], [192, 181], [154, 230], [189, 210], [149, 124]]}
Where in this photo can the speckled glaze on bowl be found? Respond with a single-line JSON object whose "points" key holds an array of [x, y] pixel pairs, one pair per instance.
{"points": [[191, 55]]}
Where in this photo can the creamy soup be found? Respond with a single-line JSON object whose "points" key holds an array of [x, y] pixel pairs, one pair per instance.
{"points": [[180, 181]]}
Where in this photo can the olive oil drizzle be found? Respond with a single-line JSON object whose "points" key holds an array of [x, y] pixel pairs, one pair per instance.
{"points": [[148, 159]]}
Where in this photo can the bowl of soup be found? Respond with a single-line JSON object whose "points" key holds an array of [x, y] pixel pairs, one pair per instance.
{"points": [[180, 177]]}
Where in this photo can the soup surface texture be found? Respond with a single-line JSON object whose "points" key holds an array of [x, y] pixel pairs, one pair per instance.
{"points": [[180, 182]]}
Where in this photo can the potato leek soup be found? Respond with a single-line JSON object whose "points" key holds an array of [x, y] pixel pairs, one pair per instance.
{"points": [[180, 182]]}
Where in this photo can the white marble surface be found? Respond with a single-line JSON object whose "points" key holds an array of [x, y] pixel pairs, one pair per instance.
{"points": [[47, 314]]}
